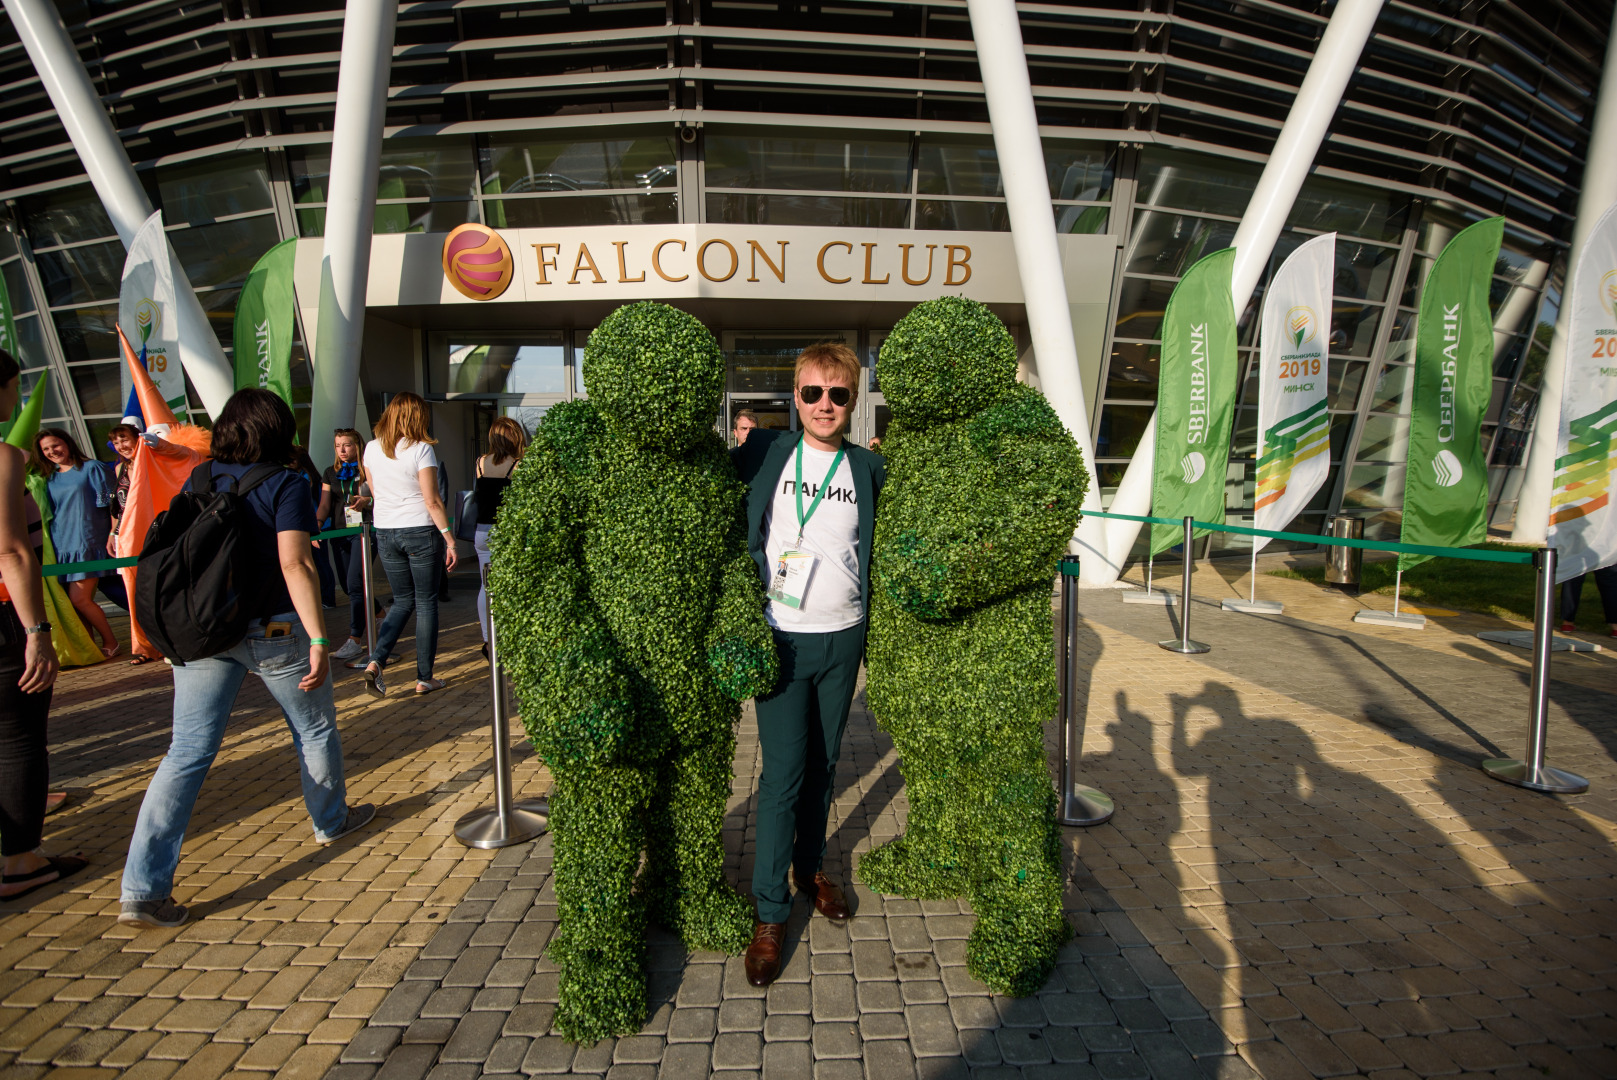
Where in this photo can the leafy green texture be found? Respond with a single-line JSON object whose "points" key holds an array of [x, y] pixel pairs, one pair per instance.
{"points": [[631, 619], [983, 490]]}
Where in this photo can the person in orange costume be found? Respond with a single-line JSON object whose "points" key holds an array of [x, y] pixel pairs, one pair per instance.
{"points": [[164, 458]]}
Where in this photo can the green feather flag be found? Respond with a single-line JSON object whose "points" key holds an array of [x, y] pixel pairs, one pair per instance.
{"points": [[264, 323], [26, 426]]}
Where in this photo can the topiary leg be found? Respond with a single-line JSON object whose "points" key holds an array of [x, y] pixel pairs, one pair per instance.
{"points": [[687, 891], [926, 862], [600, 942]]}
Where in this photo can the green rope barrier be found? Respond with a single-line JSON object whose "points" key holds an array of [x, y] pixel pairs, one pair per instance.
{"points": [[62, 569], [1520, 558]]}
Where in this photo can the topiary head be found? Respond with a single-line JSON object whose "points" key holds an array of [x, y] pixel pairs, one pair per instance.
{"points": [[655, 374], [948, 359]]}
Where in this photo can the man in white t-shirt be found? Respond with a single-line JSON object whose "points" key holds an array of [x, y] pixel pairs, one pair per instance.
{"points": [[811, 507]]}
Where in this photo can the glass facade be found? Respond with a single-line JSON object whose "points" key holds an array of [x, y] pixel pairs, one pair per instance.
{"points": [[1156, 118]]}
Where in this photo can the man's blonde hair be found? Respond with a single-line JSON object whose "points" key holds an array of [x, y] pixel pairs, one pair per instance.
{"points": [[832, 356]]}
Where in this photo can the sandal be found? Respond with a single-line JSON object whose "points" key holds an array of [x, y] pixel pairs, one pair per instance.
{"points": [[138, 659], [56, 866], [109, 651], [54, 801], [427, 686]]}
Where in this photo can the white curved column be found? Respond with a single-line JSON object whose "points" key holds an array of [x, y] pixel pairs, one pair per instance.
{"points": [[82, 113], [1003, 62], [1599, 191], [1289, 164], [356, 150]]}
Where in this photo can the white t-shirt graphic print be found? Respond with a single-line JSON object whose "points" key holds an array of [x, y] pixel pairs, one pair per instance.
{"points": [[832, 601]]}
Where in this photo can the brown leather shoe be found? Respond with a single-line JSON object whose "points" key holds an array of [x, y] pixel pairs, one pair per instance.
{"points": [[763, 955], [827, 897]]}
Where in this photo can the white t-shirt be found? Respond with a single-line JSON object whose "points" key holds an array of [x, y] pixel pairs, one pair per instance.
{"points": [[399, 504], [832, 601]]}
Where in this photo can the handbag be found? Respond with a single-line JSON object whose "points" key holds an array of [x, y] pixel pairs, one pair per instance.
{"points": [[466, 516]]}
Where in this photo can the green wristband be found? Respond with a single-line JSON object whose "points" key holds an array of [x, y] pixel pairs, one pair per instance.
{"points": [[319, 641]]}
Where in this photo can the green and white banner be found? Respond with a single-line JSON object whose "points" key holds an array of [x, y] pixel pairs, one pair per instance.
{"points": [[1195, 399], [1583, 523], [264, 323], [1294, 430], [8, 324], [1446, 483], [148, 314]]}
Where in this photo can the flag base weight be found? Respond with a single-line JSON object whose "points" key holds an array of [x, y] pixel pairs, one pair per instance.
{"points": [[488, 828], [1387, 618], [1185, 647], [1254, 607], [1158, 598], [1086, 806], [1543, 778], [1523, 639]]}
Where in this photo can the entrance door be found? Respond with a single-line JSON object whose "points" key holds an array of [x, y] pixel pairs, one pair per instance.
{"points": [[759, 367]]}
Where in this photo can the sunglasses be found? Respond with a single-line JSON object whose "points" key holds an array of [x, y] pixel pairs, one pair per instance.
{"points": [[840, 395]]}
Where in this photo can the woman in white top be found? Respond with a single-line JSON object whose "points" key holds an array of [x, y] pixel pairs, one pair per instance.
{"points": [[413, 540], [506, 444]]}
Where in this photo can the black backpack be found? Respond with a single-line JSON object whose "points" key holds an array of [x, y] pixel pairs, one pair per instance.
{"points": [[200, 580]]}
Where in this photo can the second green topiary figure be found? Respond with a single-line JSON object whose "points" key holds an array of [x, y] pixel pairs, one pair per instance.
{"points": [[983, 493], [631, 619]]}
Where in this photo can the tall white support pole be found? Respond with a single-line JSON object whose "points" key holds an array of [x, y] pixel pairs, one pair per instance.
{"points": [[79, 107], [1599, 191], [1003, 62], [1289, 164], [356, 150]]}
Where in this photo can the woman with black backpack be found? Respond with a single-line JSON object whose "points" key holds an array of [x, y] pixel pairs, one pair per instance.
{"points": [[254, 428]]}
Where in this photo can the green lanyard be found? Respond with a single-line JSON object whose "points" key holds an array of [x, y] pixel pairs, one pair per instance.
{"points": [[802, 518]]}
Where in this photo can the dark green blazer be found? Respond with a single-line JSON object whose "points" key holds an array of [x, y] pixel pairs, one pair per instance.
{"points": [[767, 454]]}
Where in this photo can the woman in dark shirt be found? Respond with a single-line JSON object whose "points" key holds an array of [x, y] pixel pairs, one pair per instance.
{"points": [[506, 444]]}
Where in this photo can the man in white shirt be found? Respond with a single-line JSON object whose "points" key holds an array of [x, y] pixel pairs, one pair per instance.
{"points": [[811, 506]]}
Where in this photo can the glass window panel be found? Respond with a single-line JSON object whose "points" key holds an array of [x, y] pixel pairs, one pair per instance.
{"points": [[1244, 438], [1374, 487], [1196, 181], [525, 162], [218, 187], [1120, 429], [1419, 267], [1353, 328], [1352, 209], [1140, 307], [98, 436], [535, 367], [31, 351], [1511, 449], [1401, 343], [977, 216], [1345, 380], [1363, 271], [959, 166], [76, 275], [66, 217], [220, 307], [526, 415], [88, 333], [1169, 243], [764, 361], [29, 380], [1523, 406], [1385, 438], [17, 291], [1082, 219], [1393, 388], [223, 253], [662, 209], [422, 217], [1496, 401], [864, 161], [425, 168], [1078, 171], [1538, 352], [808, 210], [98, 387], [311, 223], [1133, 371]]}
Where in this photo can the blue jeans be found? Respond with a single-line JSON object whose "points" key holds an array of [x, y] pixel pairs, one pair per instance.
{"points": [[204, 693], [412, 559]]}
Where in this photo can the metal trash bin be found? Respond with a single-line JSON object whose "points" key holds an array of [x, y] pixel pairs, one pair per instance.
{"points": [[1343, 565]]}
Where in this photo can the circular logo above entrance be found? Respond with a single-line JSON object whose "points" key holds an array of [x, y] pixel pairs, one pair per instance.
{"points": [[477, 262]]}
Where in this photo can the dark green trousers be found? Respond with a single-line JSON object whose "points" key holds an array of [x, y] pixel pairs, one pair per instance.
{"points": [[800, 725]]}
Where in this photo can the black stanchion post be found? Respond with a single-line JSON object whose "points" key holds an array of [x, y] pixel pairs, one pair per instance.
{"points": [[1183, 644], [1080, 805], [370, 589], [1532, 773], [506, 822]]}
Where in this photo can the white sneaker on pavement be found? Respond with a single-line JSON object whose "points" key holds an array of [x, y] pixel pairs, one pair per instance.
{"points": [[351, 650]]}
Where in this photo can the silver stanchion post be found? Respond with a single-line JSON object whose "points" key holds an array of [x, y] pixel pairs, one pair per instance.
{"points": [[370, 589], [1532, 773], [1080, 805], [1183, 644], [506, 822]]}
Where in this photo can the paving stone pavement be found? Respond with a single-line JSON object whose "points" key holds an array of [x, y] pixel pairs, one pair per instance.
{"points": [[1292, 886]]}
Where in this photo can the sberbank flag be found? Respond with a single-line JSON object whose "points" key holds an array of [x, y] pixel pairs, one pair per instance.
{"points": [[264, 323], [1446, 482], [8, 342], [1195, 399]]}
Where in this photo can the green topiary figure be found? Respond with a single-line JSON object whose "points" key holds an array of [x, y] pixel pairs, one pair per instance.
{"points": [[983, 490], [631, 618]]}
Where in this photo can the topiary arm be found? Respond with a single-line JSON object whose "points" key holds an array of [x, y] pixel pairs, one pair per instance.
{"points": [[740, 648], [577, 694], [1005, 503]]}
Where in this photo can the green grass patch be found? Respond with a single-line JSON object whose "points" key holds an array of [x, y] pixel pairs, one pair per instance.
{"points": [[1491, 588]]}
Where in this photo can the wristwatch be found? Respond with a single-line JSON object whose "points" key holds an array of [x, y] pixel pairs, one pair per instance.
{"points": [[42, 628]]}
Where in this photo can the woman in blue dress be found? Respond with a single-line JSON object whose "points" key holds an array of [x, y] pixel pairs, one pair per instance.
{"points": [[81, 496]]}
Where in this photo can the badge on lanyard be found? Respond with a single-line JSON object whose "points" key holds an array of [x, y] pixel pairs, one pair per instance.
{"points": [[795, 566]]}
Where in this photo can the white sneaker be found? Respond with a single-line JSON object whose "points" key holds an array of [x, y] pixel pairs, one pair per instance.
{"points": [[351, 650]]}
